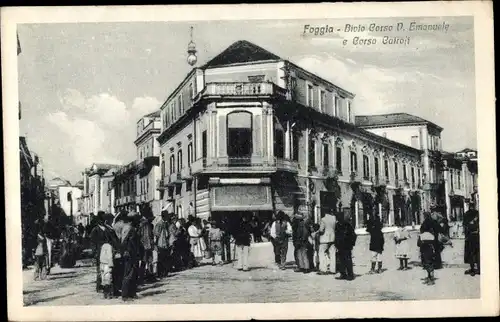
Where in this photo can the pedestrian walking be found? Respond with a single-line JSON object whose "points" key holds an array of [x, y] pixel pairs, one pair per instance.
{"points": [[281, 231], [401, 238], [242, 239], [471, 248], [215, 238], [427, 244], [374, 228], [327, 259], [345, 239], [130, 254]]}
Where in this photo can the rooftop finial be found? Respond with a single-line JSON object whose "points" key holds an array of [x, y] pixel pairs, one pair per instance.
{"points": [[191, 59]]}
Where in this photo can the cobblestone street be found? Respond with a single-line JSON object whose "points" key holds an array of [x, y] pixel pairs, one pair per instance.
{"points": [[263, 283]]}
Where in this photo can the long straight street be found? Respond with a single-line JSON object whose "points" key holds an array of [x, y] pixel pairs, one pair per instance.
{"points": [[264, 283]]}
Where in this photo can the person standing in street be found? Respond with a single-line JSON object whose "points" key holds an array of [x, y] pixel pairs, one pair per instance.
{"points": [[40, 254], [327, 259], [161, 235], [427, 244], [401, 239], [173, 236], [281, 230], [226, 241], [471, 247], [374, 228], [130, 254], [215, 245], [242, 239], [345, 239], [301, 241], [97, 237], [146, 237]]}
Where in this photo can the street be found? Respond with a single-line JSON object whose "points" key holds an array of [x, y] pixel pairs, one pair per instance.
{"points": [[264, 283]]}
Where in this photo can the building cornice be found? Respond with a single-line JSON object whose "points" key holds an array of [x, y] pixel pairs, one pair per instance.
{"points": [[317, 78], [146, 134]]}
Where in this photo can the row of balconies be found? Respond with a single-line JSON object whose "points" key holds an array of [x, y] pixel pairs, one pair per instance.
{"points": [[125, 200], [267, 165]]}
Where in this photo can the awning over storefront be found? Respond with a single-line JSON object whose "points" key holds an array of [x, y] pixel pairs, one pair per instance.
{"points": [[241, 198]]}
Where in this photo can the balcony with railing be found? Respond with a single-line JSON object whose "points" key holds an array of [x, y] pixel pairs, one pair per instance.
{"points": [[243, 89], [175, 178], [186, 173], [247, 164]]}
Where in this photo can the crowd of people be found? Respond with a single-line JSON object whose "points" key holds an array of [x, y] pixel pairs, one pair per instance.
{"points": [[130, 249]]}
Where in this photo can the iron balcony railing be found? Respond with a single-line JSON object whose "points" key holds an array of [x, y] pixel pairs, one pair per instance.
{"points": [[243, 89]]}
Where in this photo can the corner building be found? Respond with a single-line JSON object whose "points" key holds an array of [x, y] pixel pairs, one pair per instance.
{"points": [[250, 132]]}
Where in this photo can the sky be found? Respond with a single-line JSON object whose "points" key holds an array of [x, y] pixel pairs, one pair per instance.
{"points": [[84, 86]]}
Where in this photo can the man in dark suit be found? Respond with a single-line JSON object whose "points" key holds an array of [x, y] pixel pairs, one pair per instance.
{"points": [[345, 239]]}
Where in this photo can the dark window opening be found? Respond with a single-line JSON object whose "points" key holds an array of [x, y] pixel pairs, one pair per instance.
{"points": [[279, 141], [239, 137], [366, 167], [354, 162], [295, 147], [312, 153], [338, 162], [326, 156]]}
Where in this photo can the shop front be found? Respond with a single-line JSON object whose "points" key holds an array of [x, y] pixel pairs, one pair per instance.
{"points": [[230, 202]]}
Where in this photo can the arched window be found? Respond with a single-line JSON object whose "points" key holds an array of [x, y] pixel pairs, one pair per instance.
{"points": [[239, 135]]}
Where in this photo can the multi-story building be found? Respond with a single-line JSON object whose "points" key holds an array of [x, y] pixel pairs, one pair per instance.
{"points": [[95, 188], [123, 188], [148, 162], [420, 134], [460, 175], [65, 196], [249, 132], [33, 197]]}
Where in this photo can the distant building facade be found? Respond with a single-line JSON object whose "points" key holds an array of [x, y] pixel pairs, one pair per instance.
{"points": [[420, 134], [95, 189], [252, 133], [124, 187], [148, 163], [460, 177]]}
